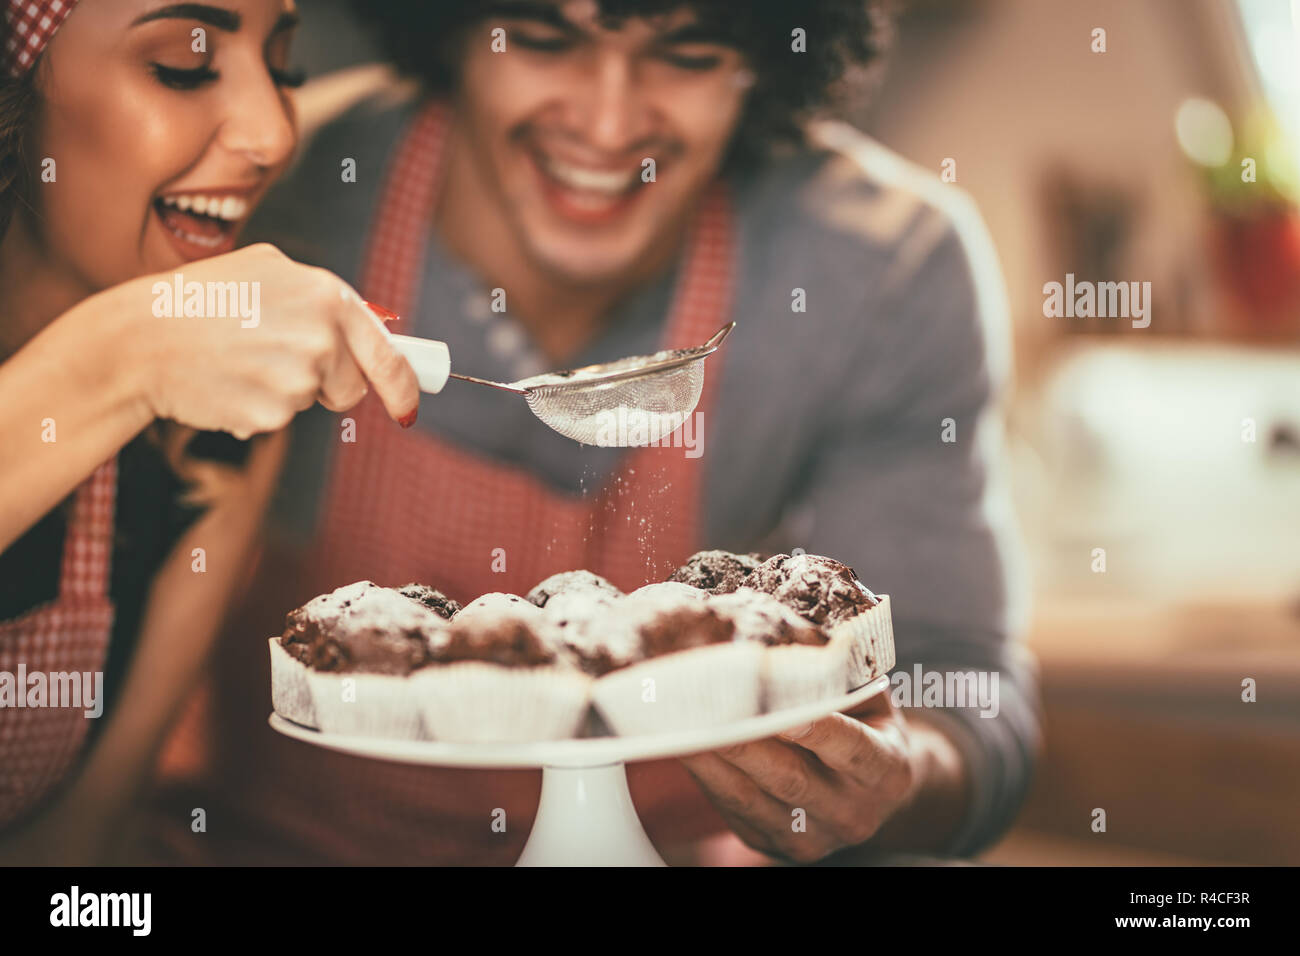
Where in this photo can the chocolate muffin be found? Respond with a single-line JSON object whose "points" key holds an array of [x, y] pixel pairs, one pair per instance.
{"points": [[362, 628], [500, 676], [820, 589], [683, 628], [431, 598], [718, 572], [570, 581], [760, 617], [505, 640], [580, 621], [669, 590], [689, 670]]}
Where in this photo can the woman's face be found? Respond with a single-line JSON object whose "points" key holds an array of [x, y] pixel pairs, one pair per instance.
{"points": [[166, 122]]}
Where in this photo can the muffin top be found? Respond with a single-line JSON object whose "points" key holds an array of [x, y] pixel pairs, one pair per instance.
{"points": [[665, 621], [497, 628], [570, 581], [362, 628], [718, 572], [581, 621], [496, 603], [760, 617], [431, 598], [820, 589], [506, 640], [682, 628], [669, 590]]}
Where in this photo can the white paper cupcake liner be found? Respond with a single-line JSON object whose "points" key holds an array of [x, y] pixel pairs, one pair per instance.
{"points": [[373, 705], [795, 674], [474, 702], [290, 695], [869, 640], [700, 687]]}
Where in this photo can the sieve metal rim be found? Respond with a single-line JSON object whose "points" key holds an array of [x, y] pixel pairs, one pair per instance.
{"points": [[689, 355], [663, 365]]}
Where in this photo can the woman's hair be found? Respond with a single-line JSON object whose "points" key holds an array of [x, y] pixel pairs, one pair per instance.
{"points": [[17, 108], [18, 105], [423, 40]]}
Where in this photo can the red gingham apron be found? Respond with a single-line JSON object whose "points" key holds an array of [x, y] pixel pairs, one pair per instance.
{"points": [[408, 506], [39, 745], [402, 506]]}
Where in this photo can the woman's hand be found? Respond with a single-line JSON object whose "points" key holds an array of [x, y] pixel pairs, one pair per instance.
{"points": [[836, 783], [312, 339]]}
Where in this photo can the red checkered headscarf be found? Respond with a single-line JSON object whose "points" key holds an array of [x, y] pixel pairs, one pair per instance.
{"points": [[29, 26]]}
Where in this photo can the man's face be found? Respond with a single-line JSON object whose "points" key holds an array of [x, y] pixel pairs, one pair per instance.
{"points": [[562, 122]]}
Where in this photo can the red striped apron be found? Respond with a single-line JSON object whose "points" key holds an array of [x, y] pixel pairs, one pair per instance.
{"points": [[408, 506], [40, 745]]}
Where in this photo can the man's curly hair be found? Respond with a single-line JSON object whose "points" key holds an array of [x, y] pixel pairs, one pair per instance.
{"points": [[422, 39]]}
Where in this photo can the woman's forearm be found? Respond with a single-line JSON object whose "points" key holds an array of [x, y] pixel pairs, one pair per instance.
{"points": [[185, 611], [71, 400]]}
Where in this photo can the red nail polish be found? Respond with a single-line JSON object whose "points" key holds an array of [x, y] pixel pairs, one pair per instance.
{"points": [[388, 315], [407, 420]]}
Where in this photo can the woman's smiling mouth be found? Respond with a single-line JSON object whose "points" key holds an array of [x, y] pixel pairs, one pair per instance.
{"points": [[201, 224]]}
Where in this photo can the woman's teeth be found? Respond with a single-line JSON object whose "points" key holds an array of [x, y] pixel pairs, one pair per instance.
{"points": [[590, 180], [230, 208]]}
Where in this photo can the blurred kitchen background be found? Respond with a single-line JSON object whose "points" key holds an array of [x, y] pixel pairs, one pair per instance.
{"points": [[1175, 448]]}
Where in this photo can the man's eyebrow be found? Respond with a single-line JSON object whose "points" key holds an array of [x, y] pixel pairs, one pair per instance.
{"points": [[547, 13], [697, 33], [219, 17]]}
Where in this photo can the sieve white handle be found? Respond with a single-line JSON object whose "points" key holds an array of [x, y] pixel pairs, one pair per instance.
{"points": [[430, 359]]}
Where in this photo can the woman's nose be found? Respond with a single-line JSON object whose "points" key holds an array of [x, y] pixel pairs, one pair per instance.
{"points": [[259, 123]]}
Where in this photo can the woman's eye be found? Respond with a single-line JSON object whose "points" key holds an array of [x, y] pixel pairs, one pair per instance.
{"points": [[288, 78], [176, 79]]}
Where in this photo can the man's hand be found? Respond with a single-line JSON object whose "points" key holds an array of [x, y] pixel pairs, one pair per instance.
{"points": [[848, 774]]}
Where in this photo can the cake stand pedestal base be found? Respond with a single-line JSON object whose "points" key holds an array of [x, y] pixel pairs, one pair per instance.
{"points": [[586, 818]]}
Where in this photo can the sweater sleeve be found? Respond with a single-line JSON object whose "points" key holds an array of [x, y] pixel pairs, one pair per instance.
{"points": [[907, 481]]}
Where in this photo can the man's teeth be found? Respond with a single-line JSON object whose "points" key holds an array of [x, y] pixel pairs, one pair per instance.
{"points": [[592, 180], [230, 208]]}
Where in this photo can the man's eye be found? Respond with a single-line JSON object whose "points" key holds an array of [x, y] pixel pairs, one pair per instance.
{"points": [[182, 79], [698, 62], [547, 43]]}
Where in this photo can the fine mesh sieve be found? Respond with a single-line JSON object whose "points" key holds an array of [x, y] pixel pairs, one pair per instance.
{"points": [[628, 402]]}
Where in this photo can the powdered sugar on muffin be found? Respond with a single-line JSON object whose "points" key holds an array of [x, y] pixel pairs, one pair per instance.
{"points": [[820, 589], [431, 598], [761, 617], [670, 591], [717, 572], [362, 627], [569, 582]]}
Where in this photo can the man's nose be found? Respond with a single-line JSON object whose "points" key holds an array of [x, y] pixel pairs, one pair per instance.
{"points": [[613, 105], [259, 123]]}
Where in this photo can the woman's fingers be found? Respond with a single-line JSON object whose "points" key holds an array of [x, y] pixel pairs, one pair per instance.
{"points": [[379, 360], [343, 385]]}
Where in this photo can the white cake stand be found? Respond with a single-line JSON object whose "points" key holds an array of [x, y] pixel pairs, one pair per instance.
{"points": [[585, 817]]}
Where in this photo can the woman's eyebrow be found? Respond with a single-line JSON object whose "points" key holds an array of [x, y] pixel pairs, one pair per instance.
{"points": [[286, 21], [219, 17]]}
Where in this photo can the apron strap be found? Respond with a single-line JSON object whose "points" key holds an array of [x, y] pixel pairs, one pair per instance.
{"points": [[88, 548], [397, 238]]}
